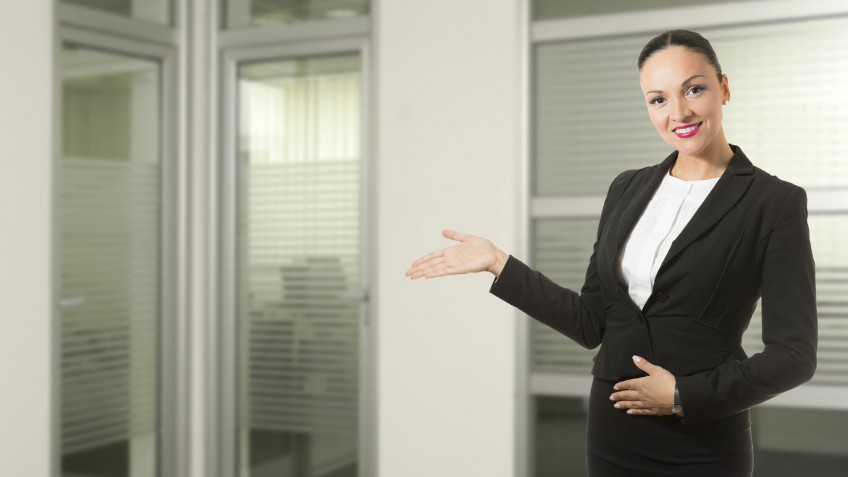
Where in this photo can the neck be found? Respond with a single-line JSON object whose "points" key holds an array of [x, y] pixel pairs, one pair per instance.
{"points": [[709, 165]]}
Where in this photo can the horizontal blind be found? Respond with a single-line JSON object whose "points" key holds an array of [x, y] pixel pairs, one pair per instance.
{"points": [[299, 285], [788, 110], [828, 235], [590, 122], [110, 276], [561, 250], [242, 13], [551, 9], [789, 107]]}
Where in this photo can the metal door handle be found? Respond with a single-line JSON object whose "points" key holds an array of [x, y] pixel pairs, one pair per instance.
{"points": [[71, 302], [361, 295]]}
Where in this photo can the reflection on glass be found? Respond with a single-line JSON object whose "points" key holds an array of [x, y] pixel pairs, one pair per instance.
{"points": [[245, 13], [299, 267], [109, 252], [154, 10], [560, 436]]}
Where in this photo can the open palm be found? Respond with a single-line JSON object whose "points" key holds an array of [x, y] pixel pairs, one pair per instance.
{"points": [[472, 254]]}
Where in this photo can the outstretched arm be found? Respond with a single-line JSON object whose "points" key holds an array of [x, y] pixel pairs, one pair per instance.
{"points": [[472, 254]]}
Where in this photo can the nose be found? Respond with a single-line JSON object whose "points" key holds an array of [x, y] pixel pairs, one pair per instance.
{"points": [[680, 111]]}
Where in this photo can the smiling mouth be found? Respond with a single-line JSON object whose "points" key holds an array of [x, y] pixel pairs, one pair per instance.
{"points": [[687, 131]]}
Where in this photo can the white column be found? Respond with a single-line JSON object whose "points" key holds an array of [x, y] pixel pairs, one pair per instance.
{"points": [[26, 263], [448, 146]]}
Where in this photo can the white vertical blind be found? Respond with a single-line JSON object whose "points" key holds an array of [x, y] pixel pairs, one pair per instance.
{"points": [[788, 110], [299, 247]]}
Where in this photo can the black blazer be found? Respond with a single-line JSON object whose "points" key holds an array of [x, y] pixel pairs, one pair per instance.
{"points": [[748, 240]]}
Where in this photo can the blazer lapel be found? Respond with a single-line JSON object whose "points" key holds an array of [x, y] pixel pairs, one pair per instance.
{"points": [[727, 192], [636, 204], [639, 201]]}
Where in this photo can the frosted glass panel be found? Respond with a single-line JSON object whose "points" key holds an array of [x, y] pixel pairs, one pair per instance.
{"points": [[299, 289], [109, 234], [246, 13], [561, 250], [158, 11], [828, 234]]}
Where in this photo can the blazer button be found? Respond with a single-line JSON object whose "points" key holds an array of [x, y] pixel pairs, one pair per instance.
{"points": [[662, 297], [640, 319]]}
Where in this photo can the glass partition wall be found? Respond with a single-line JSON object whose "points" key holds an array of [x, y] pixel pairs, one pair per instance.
{"points": [[114, 244], [109, 191], [288, 356], [789, 105], [299, 289]]}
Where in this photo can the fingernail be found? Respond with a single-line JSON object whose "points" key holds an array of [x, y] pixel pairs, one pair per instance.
{"points": [[637, 359], [615, 387], [617, 405], [612, 398]]}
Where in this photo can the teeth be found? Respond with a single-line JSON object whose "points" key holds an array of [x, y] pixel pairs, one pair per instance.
{"points": [[686, 130]]}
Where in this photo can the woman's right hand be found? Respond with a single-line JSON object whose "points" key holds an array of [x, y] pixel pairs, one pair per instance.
{"points": [[472, 254]]}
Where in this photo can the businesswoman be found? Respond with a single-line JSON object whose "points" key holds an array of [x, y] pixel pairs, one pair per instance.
{"points": [[684, 251]]}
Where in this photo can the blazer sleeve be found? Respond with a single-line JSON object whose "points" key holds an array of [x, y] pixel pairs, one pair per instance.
{"points": [[789, 327], [579, 316]]}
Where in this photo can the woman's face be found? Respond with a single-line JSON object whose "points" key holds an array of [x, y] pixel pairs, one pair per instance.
{"points": [[684, 99]]}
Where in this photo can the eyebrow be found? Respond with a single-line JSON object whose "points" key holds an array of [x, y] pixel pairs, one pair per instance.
{"points": [[683, 83]]}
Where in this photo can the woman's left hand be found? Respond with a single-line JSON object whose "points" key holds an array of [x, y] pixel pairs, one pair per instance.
{"points": [[651, 395]]}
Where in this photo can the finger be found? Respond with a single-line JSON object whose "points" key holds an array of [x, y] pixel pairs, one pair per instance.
{"points": [[629, 405], [453, 235], [642, 412], [429, 256], [643, 364], [625, 396], [629, 384], [427, 271], [439, 271]]}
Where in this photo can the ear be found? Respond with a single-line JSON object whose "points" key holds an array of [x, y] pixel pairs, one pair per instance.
{"points": [[725, 89]]}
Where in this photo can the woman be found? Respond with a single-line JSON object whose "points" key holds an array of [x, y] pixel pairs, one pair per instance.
{"points": [[684, 251]]}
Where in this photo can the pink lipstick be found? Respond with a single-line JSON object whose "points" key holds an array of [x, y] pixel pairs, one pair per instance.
{"points": [[687, 130]]}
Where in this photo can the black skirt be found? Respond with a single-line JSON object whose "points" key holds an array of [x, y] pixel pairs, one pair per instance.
{"points": [[622, 445]]}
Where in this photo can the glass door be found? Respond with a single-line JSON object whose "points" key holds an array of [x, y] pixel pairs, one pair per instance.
{"points": [[298, 266], [109, 245]]}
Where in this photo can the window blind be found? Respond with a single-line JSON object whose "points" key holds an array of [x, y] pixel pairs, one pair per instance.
{"points": [[109, 246], [110, 277], [788, 110], [562, 248], [299, 248]]}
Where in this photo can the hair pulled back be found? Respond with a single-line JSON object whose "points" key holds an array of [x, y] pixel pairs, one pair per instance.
{"points": [[688, 39]]}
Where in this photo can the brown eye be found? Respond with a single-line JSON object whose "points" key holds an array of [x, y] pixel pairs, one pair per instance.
{"points": [[657, 100]]}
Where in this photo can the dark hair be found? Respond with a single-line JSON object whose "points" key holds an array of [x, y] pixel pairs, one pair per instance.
{"points": [[688, 39]]}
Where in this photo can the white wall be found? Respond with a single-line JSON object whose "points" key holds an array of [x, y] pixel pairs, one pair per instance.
{"points": [[26, 104], [448, 156]]}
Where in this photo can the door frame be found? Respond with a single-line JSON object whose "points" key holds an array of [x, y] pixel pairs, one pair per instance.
{"points": [[354, 40], [169, 426]]}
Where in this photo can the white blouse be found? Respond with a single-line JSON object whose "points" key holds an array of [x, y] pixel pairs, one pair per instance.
{"points": [[673, 204]]}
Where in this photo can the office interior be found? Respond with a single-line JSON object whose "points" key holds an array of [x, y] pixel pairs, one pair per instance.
{"points": [[208, 208]]}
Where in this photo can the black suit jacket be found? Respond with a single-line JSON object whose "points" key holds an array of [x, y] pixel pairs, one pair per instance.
{"points": [[748, 241]]}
